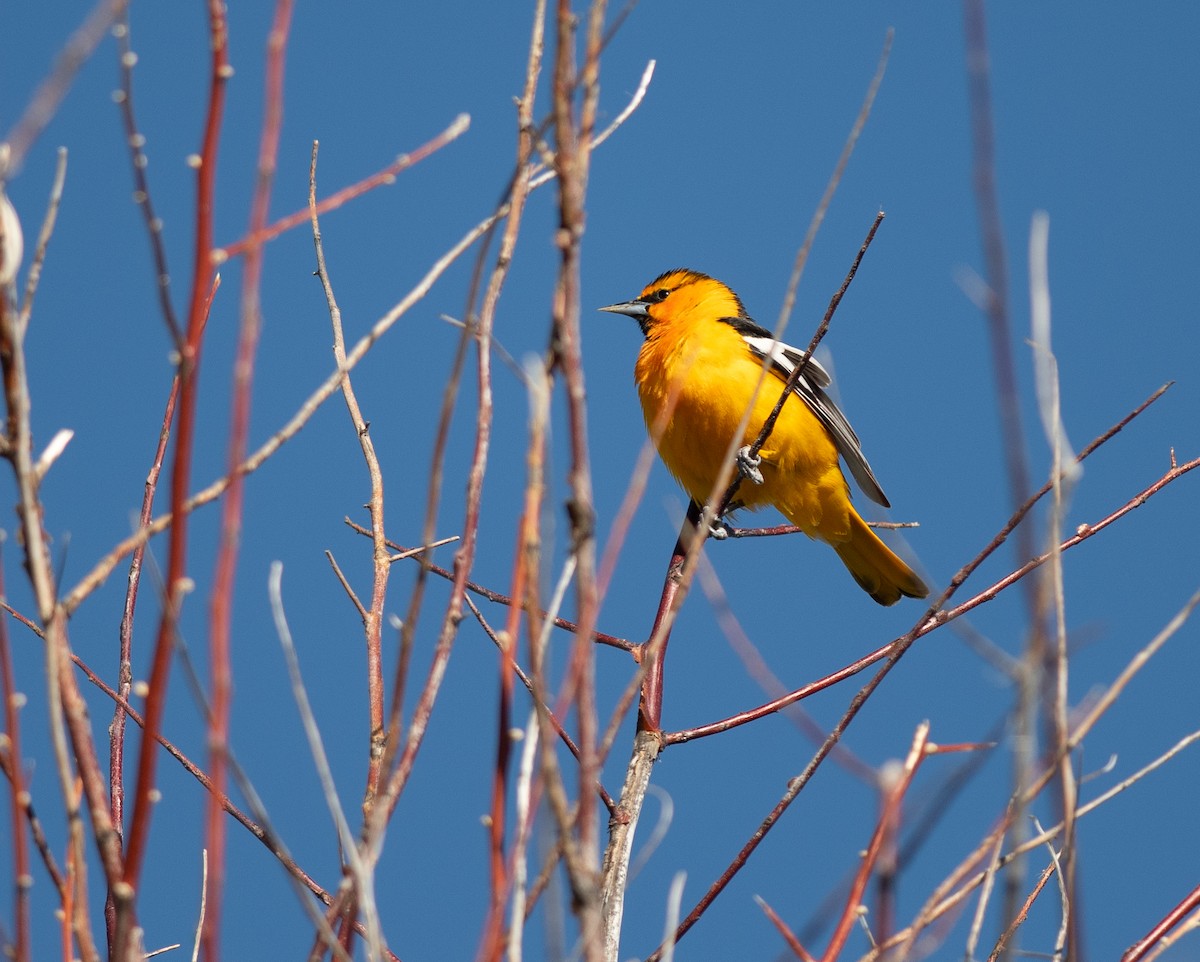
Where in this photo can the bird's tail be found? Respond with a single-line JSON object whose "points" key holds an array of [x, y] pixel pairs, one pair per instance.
{"points": [[875, 566]]}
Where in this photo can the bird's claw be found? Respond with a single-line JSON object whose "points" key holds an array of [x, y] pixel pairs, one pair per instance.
{"points": [[748, 464], [718, 530]]}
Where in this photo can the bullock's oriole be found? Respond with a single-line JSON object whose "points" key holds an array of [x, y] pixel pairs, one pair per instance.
{"points": [[695, 376]]}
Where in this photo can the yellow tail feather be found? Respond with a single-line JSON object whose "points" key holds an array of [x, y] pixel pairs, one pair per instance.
{"points": [[875, 567]]}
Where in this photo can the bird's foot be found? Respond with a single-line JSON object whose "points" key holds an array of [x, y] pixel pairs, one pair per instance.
{"points": [[718, 530], [748, 463]]}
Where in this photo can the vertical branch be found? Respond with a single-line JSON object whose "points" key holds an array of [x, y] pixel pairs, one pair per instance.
{"points": [[887, 867], [653, 654], [399, 770], [523, 574], [68, 711], [528, 564], [622, 828], [987, 202], [221, 603], [16, 785], [996, 309], [381, 562], [116, 730], [176, 572], [573, 152], [1065, 471]]}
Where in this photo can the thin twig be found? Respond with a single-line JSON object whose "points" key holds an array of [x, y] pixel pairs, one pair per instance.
{"points": [[136, 143], [818, 217], [793, 943], [496, 596], [985, 895], [341, 577], [526, 571], [34, 275], [1023, 912], [116, 733], [884, 829], [372, 617], [381, 178], [522, 812]]}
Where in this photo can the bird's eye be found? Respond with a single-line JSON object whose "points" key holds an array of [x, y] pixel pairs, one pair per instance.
{"points": [[659, 295]]}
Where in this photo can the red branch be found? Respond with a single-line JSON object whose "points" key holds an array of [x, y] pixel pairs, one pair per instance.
{"points": [[942, 616], [653, 653], [1139, 949], [231, 515], [116, 731], [381, 178], [783, 929], [884, 831], [139, 828], [16, 783]]}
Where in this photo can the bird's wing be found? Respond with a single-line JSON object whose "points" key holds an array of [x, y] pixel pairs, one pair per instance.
{"points": [[810, 387]]}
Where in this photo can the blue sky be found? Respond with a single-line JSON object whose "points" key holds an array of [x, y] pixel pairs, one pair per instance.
{"points": [[719, 170]]}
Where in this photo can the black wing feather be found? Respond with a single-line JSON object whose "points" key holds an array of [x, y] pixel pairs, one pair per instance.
{"points": [[810, 388]]}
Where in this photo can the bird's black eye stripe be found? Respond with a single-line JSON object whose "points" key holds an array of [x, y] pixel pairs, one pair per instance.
{"points": [[656, 296]]}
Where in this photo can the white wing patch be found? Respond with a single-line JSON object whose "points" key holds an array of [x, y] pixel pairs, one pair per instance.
{"points": [[785, 357], [784, 360]]}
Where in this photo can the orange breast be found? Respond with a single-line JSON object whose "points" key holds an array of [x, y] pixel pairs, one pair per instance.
{"points": [[695, 387]]}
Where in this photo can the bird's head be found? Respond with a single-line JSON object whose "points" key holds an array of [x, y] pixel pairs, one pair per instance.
{"points": [[678, 296]]}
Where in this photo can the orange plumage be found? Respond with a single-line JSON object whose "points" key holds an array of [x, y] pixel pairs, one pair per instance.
{"points": [[695, 376]]}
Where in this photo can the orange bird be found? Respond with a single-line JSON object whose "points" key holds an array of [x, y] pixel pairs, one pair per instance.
{"points": [[696, 374]]}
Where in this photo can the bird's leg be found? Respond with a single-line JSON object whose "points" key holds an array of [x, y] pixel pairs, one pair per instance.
{"points": [[748, 464]]}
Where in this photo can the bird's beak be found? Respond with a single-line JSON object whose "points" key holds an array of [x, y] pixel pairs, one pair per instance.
{"points": [[635, 309]]}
